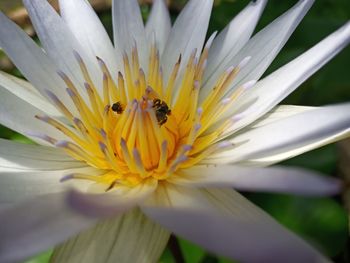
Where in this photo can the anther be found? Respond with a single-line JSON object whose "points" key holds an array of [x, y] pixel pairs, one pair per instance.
{"points": [[43, 137], [112, 185], [67, 178]]}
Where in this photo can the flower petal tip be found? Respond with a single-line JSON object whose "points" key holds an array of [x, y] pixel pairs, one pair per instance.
{"points": [[249, 84], [338, 186], [244, 62]]}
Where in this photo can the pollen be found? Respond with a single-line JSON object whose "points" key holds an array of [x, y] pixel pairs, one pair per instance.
{"points": [[136, 125]]}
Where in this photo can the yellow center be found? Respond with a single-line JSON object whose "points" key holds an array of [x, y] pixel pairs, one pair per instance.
{"points": [[140, 127]]}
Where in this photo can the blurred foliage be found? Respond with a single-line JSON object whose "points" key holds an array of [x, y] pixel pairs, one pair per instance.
{"points": [[42, 258], [322, 221]]}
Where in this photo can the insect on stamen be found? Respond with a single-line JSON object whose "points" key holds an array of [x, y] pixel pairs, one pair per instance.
{"points": [[118, 107], [162, 111]]}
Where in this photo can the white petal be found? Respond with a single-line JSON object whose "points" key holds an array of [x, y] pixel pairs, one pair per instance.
{"points": [[25, 91], [129, 238], [158, 24], [20, 185], [14, 155], [290, 136], [278, 113], [169, 195], [18, 115], [24, 53], [4, 206], [278, 85], [128, 28], [262, 48], [112, 203], [88, 30], [233, 227], [60, 44], [276, 158], [37, 225], [187, 34], [273, 179], [235, 35], [29, 170]]}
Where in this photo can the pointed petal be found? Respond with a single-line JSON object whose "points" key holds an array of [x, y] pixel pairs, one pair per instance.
{"points": [[89, 31], [25, 91], [20, 185], [278, 113], [116, 239], [272, 179], [24, 53], [28, 170], [112, 203], [232, 226], [15, 155], [291, 136], [18, 115], [234, 36], [187, 34], [262, 48], [278, 85], [128, 28], [49, 222], [158, 24], [60, 44]]}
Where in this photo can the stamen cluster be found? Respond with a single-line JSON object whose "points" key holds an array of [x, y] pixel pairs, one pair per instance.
{"points": [[139, 127]]}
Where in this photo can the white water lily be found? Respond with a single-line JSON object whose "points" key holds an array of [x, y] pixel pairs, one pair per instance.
{"points": [[154, 131]]}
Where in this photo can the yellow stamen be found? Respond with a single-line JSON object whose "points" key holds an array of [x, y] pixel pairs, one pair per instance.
{"points": [[138, 127]]}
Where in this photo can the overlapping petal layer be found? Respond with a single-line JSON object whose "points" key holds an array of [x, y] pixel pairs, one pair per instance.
{"points": [[32, 232], [131, 237], [226, 223], [192, 95]]}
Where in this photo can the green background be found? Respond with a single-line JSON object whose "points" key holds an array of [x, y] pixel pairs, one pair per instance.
{"points": [[322, 221]]}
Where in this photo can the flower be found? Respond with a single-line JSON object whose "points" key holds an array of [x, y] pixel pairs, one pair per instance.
{"points": [[155, 130]]}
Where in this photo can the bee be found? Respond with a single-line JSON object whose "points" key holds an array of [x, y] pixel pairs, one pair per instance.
{"points": [[118, 107], [162, 111]]}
